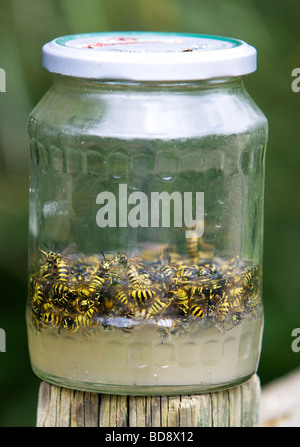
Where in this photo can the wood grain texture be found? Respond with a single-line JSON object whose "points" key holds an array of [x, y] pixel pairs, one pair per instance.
{"points": [[236, 407]]}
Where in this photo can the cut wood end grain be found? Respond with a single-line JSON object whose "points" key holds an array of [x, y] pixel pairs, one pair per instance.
{"points": [[236, 407]]}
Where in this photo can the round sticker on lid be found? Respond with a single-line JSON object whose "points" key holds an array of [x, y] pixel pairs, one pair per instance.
{"points": [[143, 56], [147, 43]]}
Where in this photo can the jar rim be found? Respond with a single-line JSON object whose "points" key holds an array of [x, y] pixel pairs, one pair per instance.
{"points": [[148, 56]]}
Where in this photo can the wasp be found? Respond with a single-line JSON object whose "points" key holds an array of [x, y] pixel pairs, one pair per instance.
{"points": [[48, 307], [46, 270], [166, 326], [236, 318], [166, 323], [235, 296], [62, 294], [82, 305], [120, 259], [197, 302], [252, 302], [194, 243], [213, 294], [38, 296], [35, 311], [126, 303], [77, 277], [137, 279], [91, 311], [166, 273], [84, 321], [105, 264], [222, 309], [122, 298], [192, 246], [50, 255], [210, 268], [85, 290], [108, 303], [63, 269], [196, 310], [99, 281], [142, 296], [49, 319], [157, 307], [255, 299], [36, 315], [250, 279], [181, 300], [105, 299], [69, 323], [185, 274], [72, 324]]}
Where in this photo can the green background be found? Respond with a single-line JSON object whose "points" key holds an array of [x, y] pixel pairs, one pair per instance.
{"points": [[272, 26]]}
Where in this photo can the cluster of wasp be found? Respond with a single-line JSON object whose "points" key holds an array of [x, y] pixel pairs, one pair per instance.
{"points": [[75, 292]]}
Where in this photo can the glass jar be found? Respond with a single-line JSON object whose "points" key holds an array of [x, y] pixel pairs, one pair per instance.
{"points": [[146, 215]]}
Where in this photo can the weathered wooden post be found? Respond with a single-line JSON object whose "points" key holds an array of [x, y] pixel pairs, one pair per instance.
{"points": [[236, 407]]}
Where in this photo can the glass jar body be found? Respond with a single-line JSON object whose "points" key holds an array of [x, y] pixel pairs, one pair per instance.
{"points": [[145, 236]]}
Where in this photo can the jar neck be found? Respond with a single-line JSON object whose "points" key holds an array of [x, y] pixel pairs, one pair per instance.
{"points": [[72, 83]]}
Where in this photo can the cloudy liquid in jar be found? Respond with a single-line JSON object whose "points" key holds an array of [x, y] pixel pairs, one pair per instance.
{"points": [[110, 360]]}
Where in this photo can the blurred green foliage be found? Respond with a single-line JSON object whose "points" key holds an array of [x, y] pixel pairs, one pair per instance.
{"points": [[273, 28]]}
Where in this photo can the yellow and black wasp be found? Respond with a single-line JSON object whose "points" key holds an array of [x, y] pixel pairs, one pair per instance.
{"points": [[38, 293], [72, 323], [166, 323], [181, 300], [166, 326], [143, 295], [119, 260], [250, 279], [77, 278], [196, 308], [108, 303], [185, 274], [221, 308], [158, 306], [121, 297], [236, 298], [98, 280], [63, 268], [211, 269], [85, 290], [138, 279], [36, 315], [105, 263], [192, 245], [125, 303], [83, 305], [47, 269], [62, 294], [50, 319], [197, 303], [166, 273]]}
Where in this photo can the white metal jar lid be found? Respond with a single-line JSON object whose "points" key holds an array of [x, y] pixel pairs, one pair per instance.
{"points": [[146, 56]]}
